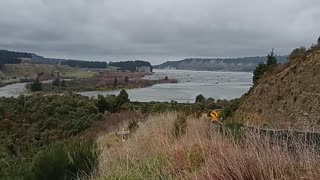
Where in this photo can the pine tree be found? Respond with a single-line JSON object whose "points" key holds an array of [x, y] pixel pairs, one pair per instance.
{"points": [[36, 85], [272, 60], [122, 98], [200, 99]]}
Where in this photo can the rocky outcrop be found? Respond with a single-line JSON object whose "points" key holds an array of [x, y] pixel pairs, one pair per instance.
{"points": [[145, 69]]}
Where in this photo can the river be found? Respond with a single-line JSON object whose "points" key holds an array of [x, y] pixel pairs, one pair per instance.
{"points": [[215, 84]]}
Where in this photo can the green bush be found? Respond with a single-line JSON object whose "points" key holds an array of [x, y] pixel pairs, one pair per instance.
{"points": [[228, 110], [259, 71], [65, 161], [161, 107], [262, 68], [200, 99], [122, 98], [298, 53], [179, 126], [36, 85]]}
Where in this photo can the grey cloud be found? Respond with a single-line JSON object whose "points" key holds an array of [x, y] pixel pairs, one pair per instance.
{"points": [[156, 30]]}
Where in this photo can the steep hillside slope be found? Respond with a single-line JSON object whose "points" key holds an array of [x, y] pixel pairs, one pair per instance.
{"points": [[289, 97]]}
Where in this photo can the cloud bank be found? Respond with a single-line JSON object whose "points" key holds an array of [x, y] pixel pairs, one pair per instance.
{"points": [[157, 30]]}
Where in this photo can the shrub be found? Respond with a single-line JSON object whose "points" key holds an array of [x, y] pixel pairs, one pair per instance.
{"points": [[179, 126], [56, 82], [122, 98], [66, 161], [101, 103], [133, 126], [262, 68], [161, 107], [200, 98], [228, 110], [297, 53], [36, 85]]}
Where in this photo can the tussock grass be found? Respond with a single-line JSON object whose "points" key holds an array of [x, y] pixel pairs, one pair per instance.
{"points": [[154, 152]]}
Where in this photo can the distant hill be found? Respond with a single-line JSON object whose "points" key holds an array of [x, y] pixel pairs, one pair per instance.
{"points": [[36, 59], [12, 57], [133, 65], [246, 64]]}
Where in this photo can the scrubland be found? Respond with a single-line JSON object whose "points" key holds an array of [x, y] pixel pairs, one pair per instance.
{"points": [[173, 146]]}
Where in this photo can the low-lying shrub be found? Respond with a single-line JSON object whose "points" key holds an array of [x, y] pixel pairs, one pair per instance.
{"points": [[65, 161], [180, 124]]}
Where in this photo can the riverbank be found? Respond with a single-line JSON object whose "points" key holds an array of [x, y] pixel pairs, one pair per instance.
{"points": [[105, 81]]}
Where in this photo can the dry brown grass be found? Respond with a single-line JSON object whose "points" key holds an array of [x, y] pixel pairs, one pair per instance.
{"points": [[152, 152]]}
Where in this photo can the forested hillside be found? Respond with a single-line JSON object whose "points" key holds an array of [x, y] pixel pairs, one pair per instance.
{"points": [[10, 57], [85, 64], [130, 65], [218, 64]]}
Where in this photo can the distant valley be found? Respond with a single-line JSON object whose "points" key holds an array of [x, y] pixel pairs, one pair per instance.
{"points": [[246, 64]]}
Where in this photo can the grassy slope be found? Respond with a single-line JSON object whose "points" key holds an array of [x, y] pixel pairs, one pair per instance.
{"points": [[287, 97], [15, 72], [152, 152]]}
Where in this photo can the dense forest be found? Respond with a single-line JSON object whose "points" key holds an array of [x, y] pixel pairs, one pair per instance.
{"points": [[85, 64], [30, 124], [130, 65], [10, 57]]}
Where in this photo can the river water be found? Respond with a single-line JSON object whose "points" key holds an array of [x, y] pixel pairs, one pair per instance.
{"points": [[215, 84], [13, 90]]}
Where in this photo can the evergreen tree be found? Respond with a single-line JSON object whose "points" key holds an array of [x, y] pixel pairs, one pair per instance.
{"points": [[36, 85], [200, 99], [166, 78], [272, 60], [259, 71], [122, 98], [262, 68], [102, 103]]}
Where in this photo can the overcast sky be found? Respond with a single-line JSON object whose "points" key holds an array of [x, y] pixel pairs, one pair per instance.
{"points": [[157, 30]]}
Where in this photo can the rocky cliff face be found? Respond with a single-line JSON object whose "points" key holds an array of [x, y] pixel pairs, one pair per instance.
{"points": [[287, 97]]}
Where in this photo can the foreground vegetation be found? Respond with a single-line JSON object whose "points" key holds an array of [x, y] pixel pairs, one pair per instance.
{"points": [[154, 151], [39, 128]]}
